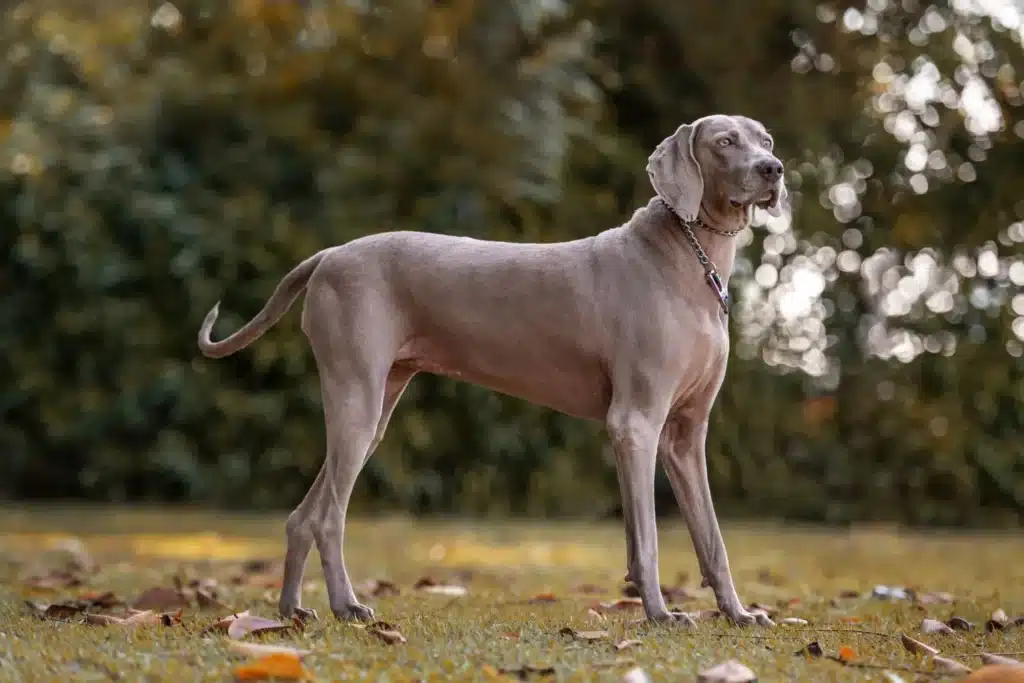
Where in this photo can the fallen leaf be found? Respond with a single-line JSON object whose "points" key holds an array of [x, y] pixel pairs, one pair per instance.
{"points": [[623, 644], [812, 649], [510, 635], [386, 632], [623, 603], [950, 665], [103, 619], [377, 588], [935, 598], [760, 606], [543, 597], [53, 580], [794, 621], [586, 636], [171, 618], [161, 599], [524, 671], [892, 678], [993, 625], [57, 610], [262, 650], [451, 590], [245, 624], [935, 626], [104, 600], [636, 675], [846, 654], [850, 620], [221, 625], [594, 614], [731, 671], [1000, 616], [278, 665], [849, 594], [959, 624], [997, 673], [890, 593], [705, 614], [986, 658], [916, 646], [143, 618], [208, 600]]}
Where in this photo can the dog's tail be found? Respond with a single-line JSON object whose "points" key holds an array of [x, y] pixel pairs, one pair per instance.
{"points": [[277, 305]]}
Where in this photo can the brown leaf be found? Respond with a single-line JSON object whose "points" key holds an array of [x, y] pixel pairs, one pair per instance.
{"points": [[208, 600], [160, 598], [56, 611], [450, 590], [144, 618], [794, 621], [278, 666], [171, 618], [935, 598], [986, 658], [846, 654], [543, 597], [104, 600], [221, 625], [623, 644], [997, 673], [623, 603], [812, 649], [950, 665], [993, 625], [386, 632], [523, 672], [242, 626], [585, 636], [55, 579], [849, 594], [510, 635], [930, 626], [1000, 616], [261, 650], [959, 624], [103, 620], [376, 588], [916, 646], [594, 614], [731, 671]]}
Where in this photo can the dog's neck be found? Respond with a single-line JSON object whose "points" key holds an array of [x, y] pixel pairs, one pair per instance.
{"points": [[721, 250]]}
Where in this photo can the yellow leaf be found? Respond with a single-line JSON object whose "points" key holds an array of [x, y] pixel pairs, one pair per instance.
{"points": [[278, 665]]}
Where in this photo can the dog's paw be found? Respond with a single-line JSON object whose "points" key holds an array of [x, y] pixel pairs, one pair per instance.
{"points": [[742, 617], [305, 614], [674, 619], [353, 612]]}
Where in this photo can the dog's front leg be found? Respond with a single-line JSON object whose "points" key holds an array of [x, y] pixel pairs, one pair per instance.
{"points": [[634, 435], [682, 451]]}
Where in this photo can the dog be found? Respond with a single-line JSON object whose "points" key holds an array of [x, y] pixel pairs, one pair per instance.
{"points": [[627, 326]]}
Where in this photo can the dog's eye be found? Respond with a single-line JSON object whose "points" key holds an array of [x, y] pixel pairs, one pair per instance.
{"points": [[724, 142], [767, 143]]}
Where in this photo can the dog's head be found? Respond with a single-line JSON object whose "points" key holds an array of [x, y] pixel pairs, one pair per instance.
{"points": [[724, 161]]}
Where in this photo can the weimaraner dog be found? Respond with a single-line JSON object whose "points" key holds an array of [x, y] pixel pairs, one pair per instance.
{"points": [[627, 326]]}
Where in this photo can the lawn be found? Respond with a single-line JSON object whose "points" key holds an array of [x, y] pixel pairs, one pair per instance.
{"points": [[525, 583]]}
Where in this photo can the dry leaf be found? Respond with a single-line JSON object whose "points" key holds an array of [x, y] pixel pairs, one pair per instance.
{"points": [[623, 603], [543, 597], [594, 614], [377, 588], [245, 623], [950, 665], [510, 635], [731, 671], [849, 594], [103, 619], [54, 579], [261, 650], [812, 649], [523, 672], [892, 678], [451, 590], [56, 611], [794, 621], [916, 646], [1000, 616], [935, 598], [386, 632], [221, 625], [104, 600], [846, 654], [623, 644], [208, 600], [143, 618], [935, 626], [986, 658], [997, 673], [636, 675], [160, 599], [278, 666], [959, 624], [761, 607], [586, 636], [705, 614]]}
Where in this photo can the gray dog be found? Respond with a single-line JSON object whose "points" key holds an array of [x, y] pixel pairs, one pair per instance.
{"points": [[627, 326]]}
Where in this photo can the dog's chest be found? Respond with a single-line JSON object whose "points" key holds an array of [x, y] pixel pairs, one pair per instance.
{"points": [[702, 358]]}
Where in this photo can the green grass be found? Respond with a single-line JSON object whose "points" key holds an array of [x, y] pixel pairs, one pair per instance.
{"points": [[503, 565]]}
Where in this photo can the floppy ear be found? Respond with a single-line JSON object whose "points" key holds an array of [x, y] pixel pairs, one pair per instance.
{"points": [[775, 208], [674, 172]]}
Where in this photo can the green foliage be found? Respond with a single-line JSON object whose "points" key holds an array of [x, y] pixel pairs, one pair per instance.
{"points": [[157, 158]]}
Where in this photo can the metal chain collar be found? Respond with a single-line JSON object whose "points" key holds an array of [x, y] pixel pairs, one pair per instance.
{"points": [[711, 275]]}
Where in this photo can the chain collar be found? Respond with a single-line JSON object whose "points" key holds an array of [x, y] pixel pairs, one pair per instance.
{"points": [[711, 275]]}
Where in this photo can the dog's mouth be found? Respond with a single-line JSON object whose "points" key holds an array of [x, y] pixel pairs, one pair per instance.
{"points": [[768, 199]]}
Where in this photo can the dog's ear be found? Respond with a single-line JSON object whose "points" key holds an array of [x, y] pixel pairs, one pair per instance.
{"points": [[675, 174], [775, 208]]}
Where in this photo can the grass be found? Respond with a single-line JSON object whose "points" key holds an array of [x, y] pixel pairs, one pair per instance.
{"points": [[495, 626]]}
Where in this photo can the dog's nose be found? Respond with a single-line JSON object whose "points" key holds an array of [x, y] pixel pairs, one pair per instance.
{"points": [[770, 169]]}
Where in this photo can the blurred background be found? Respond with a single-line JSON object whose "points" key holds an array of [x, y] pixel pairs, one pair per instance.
{"points": [[155, 158]]}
